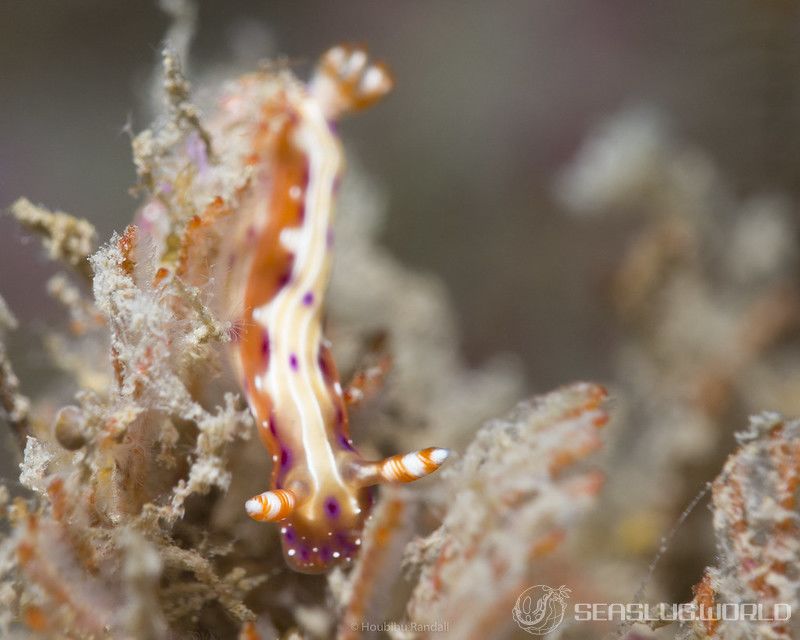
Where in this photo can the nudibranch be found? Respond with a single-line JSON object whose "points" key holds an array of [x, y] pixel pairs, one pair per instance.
{"points": [[277, 254]]}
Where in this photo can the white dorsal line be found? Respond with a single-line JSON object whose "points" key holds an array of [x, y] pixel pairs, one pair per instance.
{"points": [[296, 325], [314, 267]]}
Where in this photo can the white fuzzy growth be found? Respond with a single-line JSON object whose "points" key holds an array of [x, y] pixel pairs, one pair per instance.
{"points": [[37, 458]]}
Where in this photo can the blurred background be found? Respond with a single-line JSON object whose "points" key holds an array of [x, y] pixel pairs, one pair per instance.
{"points": [[492, 100]]}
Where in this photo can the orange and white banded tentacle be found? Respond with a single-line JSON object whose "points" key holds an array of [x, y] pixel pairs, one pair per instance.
{"points": [[271, 506], [404, 467]]}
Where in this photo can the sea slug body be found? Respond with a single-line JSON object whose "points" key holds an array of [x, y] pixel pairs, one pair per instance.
{"points": [[278, 252]]}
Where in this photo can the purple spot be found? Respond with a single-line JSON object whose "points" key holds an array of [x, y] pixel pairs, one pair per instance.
{"points": [[337, 182], [329, 238], [322, 361], [251, 233], [308, 299], [332, 507], [325, 554], [293, 362], [285, 459], [339, 416], [231, 260], [301, 211], [345, 442], [290, 535], [285, 277], [305, 555], [304, 179], [265, 346], [332, 126], [345, 543], [272, 425]]}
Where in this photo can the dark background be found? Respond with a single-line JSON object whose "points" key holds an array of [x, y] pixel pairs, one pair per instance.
{"points": [[492, 99]]}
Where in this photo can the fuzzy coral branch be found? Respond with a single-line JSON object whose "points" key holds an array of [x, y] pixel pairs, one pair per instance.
{"points": [[150, 148], [66, 237], [153, 355], [384, 539], [757, 526], [513, 495], [83, 314], [14, 407], [177, 90]]}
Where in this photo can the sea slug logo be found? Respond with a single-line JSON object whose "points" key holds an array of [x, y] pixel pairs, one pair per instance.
{"points": [[540, 609]]}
